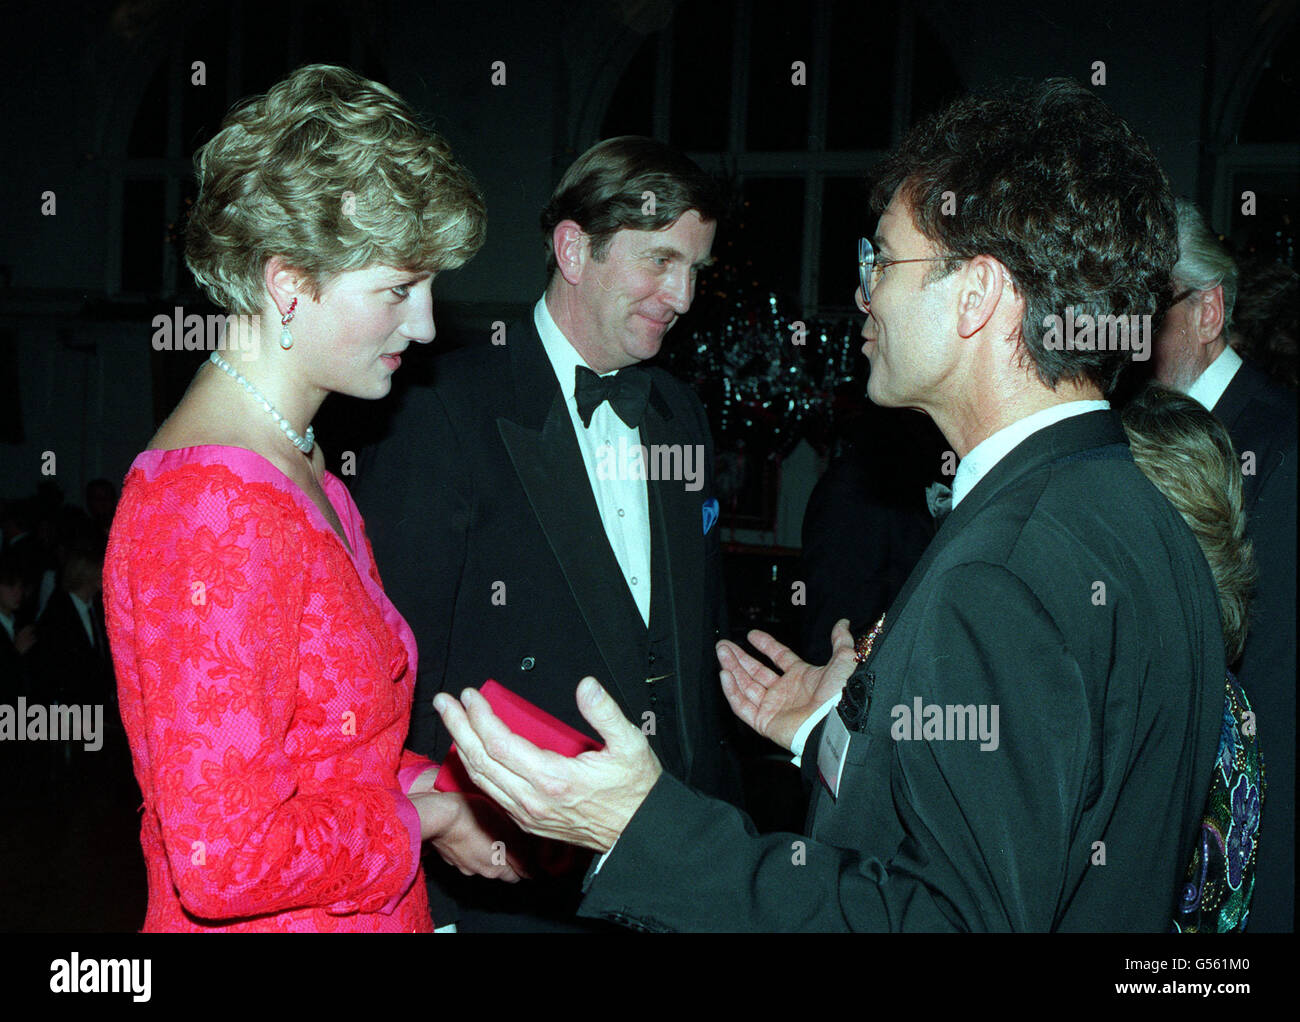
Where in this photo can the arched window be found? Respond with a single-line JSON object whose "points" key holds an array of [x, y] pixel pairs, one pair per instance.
{"points": [[243, 48], [796, 101], [1258, 188]]}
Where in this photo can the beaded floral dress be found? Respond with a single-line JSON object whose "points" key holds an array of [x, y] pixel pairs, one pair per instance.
{"points": [[265, 682]]}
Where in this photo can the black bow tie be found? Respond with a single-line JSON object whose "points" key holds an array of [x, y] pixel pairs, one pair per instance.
{"points": [[627, 392], [938, 498]]}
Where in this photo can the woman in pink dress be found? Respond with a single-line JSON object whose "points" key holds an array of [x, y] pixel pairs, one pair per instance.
{"points": [[264, 678]]}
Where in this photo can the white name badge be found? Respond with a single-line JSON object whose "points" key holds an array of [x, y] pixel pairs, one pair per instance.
{"points": [[831, 753]]}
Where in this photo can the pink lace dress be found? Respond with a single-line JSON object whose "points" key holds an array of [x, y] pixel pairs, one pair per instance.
{"points": [[265, 683]]}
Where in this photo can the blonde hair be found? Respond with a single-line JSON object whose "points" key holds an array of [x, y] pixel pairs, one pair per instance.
{"points": [[1187, 453], [332, 172]]}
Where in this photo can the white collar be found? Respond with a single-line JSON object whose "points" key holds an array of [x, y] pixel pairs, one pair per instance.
{"points": [[1211, 384], [992, 449], [559, 349]]}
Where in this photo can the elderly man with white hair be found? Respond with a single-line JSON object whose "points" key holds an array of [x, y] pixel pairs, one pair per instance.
{"points": [[1192, 354]]}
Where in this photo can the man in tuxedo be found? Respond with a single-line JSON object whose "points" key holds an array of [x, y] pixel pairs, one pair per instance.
{"points": [[1192, 355], [71, 663], [1027, 741], [517, 533], [17, 633], [23, 547]]}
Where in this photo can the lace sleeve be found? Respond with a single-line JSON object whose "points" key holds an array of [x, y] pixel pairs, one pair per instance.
{"points": [[219, 628]]}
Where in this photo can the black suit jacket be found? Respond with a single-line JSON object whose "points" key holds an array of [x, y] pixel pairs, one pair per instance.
{"points": [[64, 665], [481, 484], [15, 678], [1261, 418], [1109, 714]]}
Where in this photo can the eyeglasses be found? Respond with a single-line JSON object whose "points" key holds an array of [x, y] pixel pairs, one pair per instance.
{"points": [[870, 267]]}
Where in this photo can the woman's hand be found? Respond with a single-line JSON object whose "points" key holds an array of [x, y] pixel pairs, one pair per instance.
{"points": [[425, 781], [773, 704], [470, 833]]}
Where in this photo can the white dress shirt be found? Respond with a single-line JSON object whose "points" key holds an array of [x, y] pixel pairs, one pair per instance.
{"points": [[974, 467], [47, 590], [617, 483], [1211, 384], [83, 612], [992, 449]]}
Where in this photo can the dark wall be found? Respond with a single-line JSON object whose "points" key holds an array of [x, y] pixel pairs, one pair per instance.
{"points": [[88, 93]]}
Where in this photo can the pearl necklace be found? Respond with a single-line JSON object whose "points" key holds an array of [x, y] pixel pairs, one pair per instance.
{"points": [[304, 444]]}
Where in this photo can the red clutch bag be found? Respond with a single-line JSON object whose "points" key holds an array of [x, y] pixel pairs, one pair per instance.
{"points": [[525, 720]]}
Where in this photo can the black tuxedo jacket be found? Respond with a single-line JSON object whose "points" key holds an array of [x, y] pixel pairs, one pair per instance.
{"points": [[1261, 418], [1110, 702], [14, 674], [480, 491], [65, 666]]}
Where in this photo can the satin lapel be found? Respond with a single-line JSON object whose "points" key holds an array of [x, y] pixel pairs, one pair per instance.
{"points": [[676, 519], [951, 526], [550, 468], [1060, 440]]}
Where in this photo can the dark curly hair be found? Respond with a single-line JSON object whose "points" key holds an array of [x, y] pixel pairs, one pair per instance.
{"points": [[1060, 190], [604, 192]]}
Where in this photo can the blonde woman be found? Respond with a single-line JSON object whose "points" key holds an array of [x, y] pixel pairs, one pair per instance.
{"points": [[1187, 453], [265, 680]]}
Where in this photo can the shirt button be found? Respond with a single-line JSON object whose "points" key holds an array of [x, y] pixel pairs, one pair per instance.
{"points": [[621, 512], [527, 663], [634, 580]]}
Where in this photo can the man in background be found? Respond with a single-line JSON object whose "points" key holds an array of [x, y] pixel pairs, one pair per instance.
{"points": [[1192, 355]]}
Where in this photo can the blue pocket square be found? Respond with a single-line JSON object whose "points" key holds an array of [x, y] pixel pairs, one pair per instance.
{"points": [[710, 514]]}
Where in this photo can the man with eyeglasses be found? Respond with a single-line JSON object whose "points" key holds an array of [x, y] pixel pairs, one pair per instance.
{"points": [[1025, 740], [1192, 355]]}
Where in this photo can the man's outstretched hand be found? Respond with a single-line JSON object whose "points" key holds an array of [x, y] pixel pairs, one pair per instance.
{"points": [[775, 703], [585, 800]]}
